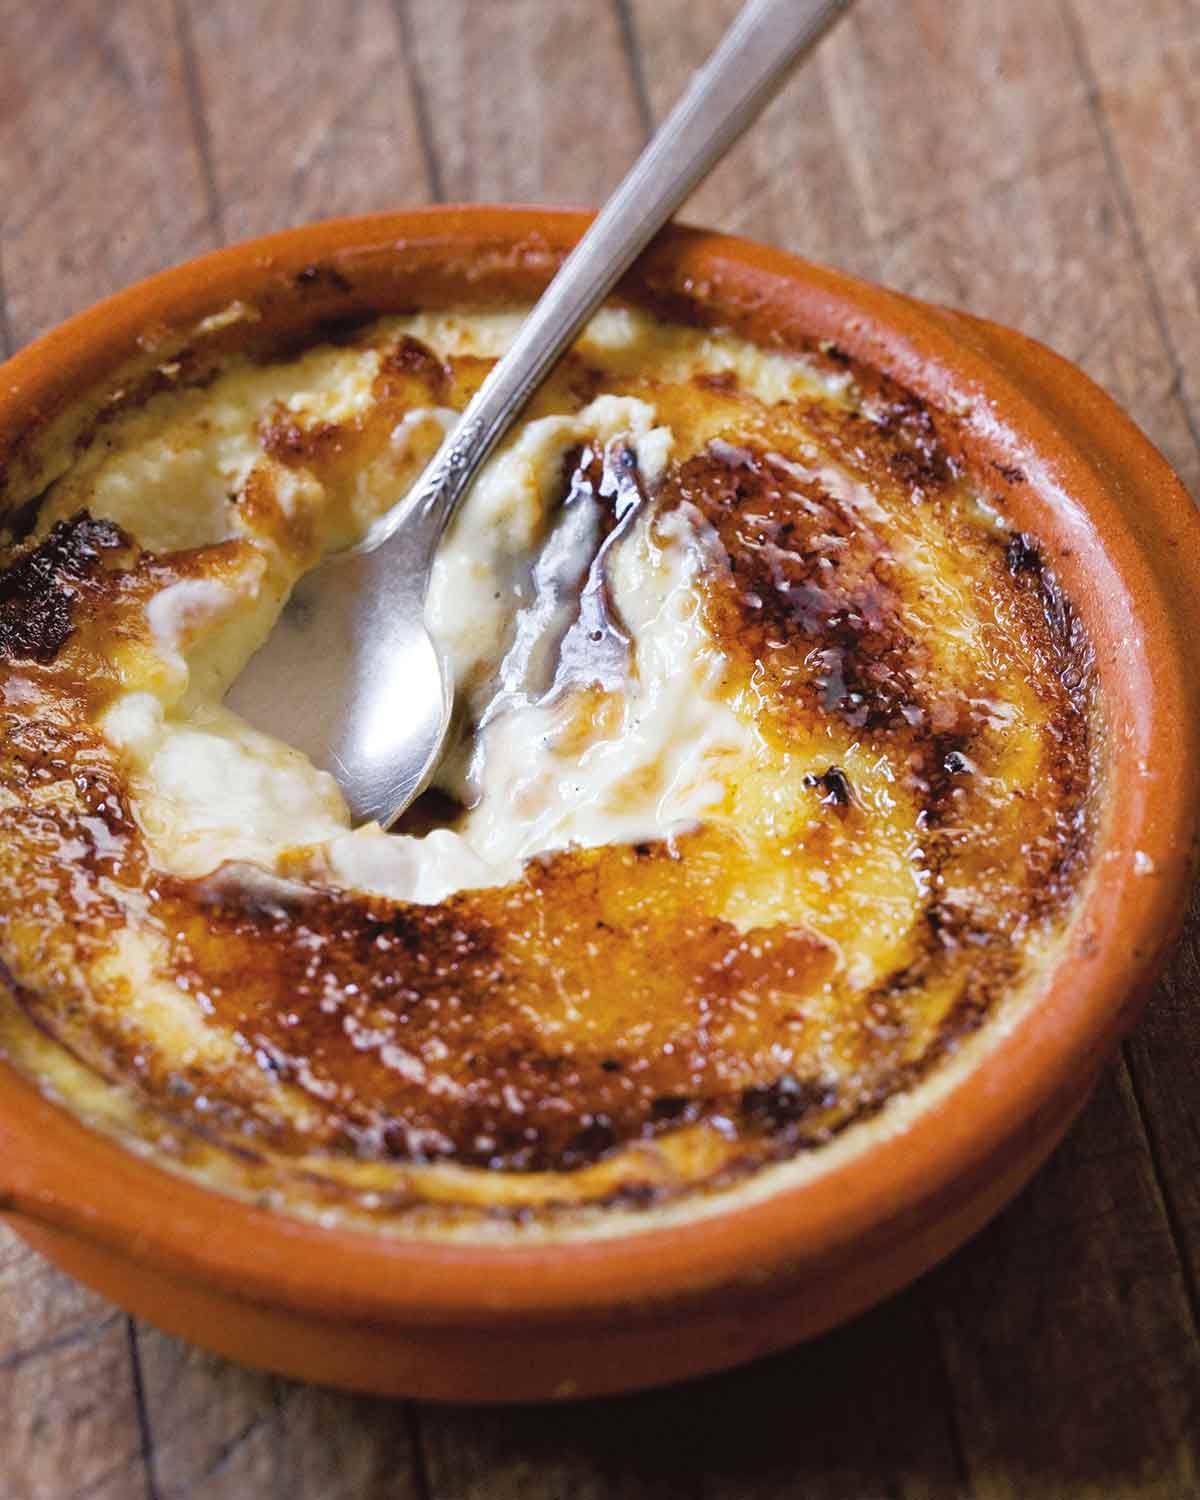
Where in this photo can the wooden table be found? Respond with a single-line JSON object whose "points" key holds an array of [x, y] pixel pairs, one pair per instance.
{"points": [[1035, 161]]}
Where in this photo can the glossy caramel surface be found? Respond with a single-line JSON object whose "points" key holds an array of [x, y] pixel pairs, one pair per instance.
{"points": [[623, 1025]]}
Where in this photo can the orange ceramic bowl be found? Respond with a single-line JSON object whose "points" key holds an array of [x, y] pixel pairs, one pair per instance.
{"points": [[480, 1322]]}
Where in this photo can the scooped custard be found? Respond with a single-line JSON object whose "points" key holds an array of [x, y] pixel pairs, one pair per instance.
{"points": [[771, 788]]}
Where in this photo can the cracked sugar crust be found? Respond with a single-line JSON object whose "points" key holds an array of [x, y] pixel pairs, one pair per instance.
{"points": [[745, 946]]}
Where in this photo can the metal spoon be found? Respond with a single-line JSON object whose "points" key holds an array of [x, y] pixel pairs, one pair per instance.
{"points": [[350, 675]]}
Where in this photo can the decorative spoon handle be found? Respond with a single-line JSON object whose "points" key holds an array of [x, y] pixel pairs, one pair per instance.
{"points": [[761, 47]]}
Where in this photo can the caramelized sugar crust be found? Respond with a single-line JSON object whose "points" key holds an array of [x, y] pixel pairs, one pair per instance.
{"points": [[600, 1030]]}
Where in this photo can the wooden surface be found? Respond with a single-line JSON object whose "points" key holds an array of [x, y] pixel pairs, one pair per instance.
{"points": [[1035, 161]]}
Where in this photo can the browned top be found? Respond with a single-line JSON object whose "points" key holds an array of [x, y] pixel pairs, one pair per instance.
{"points": [[598, 1020]]}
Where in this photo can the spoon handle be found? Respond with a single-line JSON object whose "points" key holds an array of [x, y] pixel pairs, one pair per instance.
{"points": [[765, 41]]}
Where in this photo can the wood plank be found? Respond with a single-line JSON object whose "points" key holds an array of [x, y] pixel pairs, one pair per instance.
{"points": [[1015, 214], [526, 102], [533, 103], [979, 178], [564, 132], [218, 1430], [223, 1433], [285, 139], [750, 1433], [1145, 87], [1066, 1330], [633, 1448], [100, 181], [1145, 92], [785, 181], [68, 1418], [861, 1411], [1164, 1059], [306, 110], [659, 1443], [847, 1415], [956, 162]]}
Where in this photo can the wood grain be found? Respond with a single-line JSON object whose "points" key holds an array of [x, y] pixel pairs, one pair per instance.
{"points": [[306, 110], [526, 102], [1067, 1333], [68, 1417], [100, 177], [961, 163], [1033, 162], [224, 1433], [1144, 91], [982, 177], [784, 182], [859, 1412], [101, 182], [1164, 1062]]}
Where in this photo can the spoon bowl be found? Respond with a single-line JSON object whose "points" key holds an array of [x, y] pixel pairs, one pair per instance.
{"points": [[356, 678]]}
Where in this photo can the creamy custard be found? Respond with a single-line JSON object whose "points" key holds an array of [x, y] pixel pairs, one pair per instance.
{"points": [[771, 789]]}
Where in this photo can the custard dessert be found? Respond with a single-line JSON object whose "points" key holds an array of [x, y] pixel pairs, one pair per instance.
{"points": [[770, 796]]}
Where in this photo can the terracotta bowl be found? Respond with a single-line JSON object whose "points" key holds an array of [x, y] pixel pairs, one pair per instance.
{"points": [[475, 1322]]}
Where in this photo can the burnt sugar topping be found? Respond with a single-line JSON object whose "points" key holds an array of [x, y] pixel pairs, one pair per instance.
{"points": [[773, 786]]}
